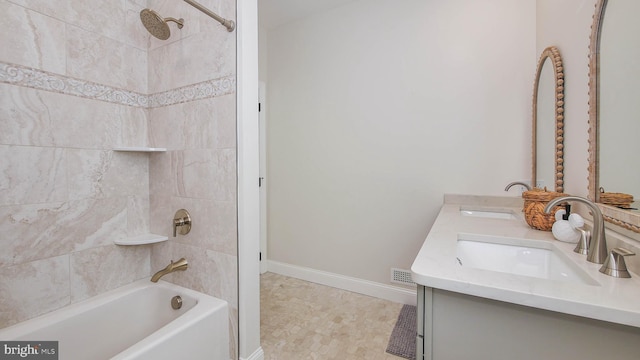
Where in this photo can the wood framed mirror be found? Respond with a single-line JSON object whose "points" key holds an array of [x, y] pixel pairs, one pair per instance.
{"points": [[614, 111], [548, 122]]}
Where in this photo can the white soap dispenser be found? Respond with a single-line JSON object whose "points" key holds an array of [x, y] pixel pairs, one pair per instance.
{"points": [[563, 230]]}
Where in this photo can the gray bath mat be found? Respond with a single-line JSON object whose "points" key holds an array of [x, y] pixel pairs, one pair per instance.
{"points": [[403, 337]]}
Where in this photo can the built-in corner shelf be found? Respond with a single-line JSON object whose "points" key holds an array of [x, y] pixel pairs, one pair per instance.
{"points": [[145, 238], [141, 240], [140, 149]]}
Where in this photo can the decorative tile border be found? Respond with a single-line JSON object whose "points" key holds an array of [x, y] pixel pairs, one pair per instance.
{"points": [[203, 90], [42, 80]]}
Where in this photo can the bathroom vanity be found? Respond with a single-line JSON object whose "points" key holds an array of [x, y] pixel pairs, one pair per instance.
{"points": [[491, 288]]}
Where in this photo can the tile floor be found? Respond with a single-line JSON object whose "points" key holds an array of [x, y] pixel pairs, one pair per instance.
{"points": [[302, 320]]}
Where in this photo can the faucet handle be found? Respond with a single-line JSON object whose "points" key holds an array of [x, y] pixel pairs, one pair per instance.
{"points": [[182, 220], [615, 265], [583, 244]]}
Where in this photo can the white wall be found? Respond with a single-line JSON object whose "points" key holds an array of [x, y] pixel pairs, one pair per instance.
{"points": [[377, 109], [262, 54]]}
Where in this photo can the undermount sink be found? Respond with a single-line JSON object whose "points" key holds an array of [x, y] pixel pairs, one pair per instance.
{"points": [[534, 258], [488, 213]]}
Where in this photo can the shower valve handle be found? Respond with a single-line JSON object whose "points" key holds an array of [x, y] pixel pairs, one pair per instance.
{"points": [[181, 220]]}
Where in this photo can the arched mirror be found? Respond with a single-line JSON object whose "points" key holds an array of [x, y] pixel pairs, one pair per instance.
{"points": [[548, 122], [614, 110]]}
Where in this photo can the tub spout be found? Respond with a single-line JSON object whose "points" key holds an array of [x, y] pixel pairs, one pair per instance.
{"points": [[173, 266]]}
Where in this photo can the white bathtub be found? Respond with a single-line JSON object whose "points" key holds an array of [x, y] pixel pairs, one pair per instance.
{"points": [[134, 322]]}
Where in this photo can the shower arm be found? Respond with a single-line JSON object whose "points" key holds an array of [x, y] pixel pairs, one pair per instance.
{"points": [[229, 24]]}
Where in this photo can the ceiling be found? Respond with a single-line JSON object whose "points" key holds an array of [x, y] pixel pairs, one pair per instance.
{"points": [[273, 13]]}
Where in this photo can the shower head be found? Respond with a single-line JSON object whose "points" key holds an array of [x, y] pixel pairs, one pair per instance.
{"points": [[156, 25]]}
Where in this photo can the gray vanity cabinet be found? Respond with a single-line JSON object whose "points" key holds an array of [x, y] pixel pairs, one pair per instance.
{"points": [[453, 326]]}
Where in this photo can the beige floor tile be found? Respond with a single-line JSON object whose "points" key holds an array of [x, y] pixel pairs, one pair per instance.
{"points": [[301, 320]]}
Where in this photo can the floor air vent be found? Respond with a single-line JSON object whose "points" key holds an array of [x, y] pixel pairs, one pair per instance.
{"points": [[400, 276]]}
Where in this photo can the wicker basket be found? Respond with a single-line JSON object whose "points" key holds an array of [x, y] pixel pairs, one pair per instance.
{"points": [[616, 199], [534, 203]]}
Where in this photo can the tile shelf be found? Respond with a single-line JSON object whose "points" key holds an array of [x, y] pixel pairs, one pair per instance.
{"points": [[141, 240], [140, 149], [145, 238]]}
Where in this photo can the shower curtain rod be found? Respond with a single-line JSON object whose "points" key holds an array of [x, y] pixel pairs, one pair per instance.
{"points": [[229, 24]]}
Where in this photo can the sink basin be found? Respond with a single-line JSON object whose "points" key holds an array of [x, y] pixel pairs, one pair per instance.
{"points": [[488, 213], [534, 258]]}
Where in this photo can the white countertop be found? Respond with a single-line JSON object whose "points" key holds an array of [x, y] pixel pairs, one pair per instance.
{"points": [[614, 299]]}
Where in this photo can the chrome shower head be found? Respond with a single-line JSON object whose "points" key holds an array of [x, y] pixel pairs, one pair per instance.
{"points": [[156, 25]]}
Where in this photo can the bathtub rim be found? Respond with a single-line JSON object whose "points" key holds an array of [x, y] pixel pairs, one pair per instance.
{"points": [[205, 303]]}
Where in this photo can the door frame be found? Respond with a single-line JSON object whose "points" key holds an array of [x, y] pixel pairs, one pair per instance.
{"points": [[262, 93], [248, 162]]}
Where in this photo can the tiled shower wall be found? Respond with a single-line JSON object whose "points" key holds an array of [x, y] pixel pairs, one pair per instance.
{"points": [[198, 172], [78, 78]]}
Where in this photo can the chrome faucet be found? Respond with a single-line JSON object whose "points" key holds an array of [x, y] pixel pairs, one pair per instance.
{"points": [[517, 183], [173, 266], [597, 252]]}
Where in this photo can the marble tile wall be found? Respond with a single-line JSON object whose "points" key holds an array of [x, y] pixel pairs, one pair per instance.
{"points": [[78, 85], [63, 194], [99, 41], [198, 172], [202, 49]]}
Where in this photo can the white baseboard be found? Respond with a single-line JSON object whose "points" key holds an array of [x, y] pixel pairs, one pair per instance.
{"points": [[365, 287], [257, 355]]}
